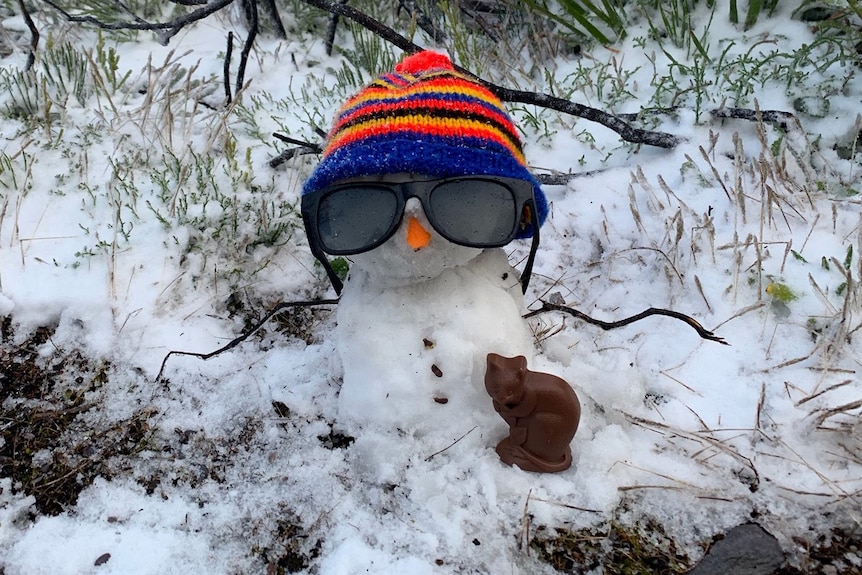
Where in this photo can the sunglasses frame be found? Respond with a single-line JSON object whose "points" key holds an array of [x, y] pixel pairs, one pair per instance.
{"points": [[404, 189]]}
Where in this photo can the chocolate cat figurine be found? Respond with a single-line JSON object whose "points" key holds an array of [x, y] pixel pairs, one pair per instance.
{"points": [[541, 409]]}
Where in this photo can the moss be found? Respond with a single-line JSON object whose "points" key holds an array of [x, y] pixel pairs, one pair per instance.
{"points": [[639, 549]]}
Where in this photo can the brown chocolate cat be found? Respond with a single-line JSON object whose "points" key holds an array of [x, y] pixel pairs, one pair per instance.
{"points": [[542, 411]]}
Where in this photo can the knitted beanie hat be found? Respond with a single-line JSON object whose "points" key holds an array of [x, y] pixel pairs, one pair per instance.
{"points": [[424, 118]]}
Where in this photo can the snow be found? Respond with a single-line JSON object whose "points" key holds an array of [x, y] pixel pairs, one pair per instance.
{"points": [[697, 435], [391, 339]]}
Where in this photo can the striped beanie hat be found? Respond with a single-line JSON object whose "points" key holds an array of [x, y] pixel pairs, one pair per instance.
{"points": [[424, 118]]}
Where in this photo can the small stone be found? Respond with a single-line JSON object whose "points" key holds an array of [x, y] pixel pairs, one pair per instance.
{"points": [[102, 559], [817, 13], [441, 400], [436, 370], [745, 550]]}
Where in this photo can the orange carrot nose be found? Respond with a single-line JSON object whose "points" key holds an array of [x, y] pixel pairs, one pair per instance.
{"points": [[417, 236]]}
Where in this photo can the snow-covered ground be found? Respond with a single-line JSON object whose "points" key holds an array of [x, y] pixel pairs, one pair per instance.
{"points": [[139, 221]]}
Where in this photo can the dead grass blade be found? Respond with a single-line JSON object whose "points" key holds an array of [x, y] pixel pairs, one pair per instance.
{"points": [[702, 439], [821, 392]]}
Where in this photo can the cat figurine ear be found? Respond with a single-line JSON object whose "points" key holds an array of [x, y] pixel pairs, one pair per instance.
{"points": [[542, 411]]}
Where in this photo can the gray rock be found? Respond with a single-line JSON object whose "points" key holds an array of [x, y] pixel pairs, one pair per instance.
{"points": [[745, 550]]}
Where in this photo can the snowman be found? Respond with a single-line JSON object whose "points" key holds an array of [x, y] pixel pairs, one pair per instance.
{"points": [[421, 185]]}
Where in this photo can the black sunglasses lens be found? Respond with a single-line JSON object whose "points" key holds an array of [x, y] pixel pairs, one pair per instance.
{"points": [[352, 219], [474, 212]]}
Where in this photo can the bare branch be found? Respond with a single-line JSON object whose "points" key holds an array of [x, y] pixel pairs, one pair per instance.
{"points": [[561, 179], [289, 154], [783, 120], [164, 30], [316, 148], [608, 325], [626, 131], [422, 20], [302, 148], [34, 35], [272, 14], [250, 7], [238, 340], [367, 22], [228, 56], [331, 28]]}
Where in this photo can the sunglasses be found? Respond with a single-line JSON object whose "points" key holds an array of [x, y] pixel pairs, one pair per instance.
{"points": [[355, 216]]}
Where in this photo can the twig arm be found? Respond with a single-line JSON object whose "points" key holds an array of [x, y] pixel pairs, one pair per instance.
{"points": [[608, 325], [241, 338]]}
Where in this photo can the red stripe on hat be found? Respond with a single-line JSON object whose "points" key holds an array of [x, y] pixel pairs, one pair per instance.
{"points": [[419, 127]]}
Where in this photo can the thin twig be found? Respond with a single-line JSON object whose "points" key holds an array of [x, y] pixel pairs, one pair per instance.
{"points": [[165, 30], [250, 7], [289, 154], [303, 144], [34, 35], [783, 120], [238, 340], [608, 325], [430, 457], [567, 505], [303, 148], [561, 179], [331, 29], [228, 56], [524, 532]]}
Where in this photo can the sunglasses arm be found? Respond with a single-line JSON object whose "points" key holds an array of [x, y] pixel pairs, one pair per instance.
{"points": [[318, 253], [336, 282], [534, 246]]}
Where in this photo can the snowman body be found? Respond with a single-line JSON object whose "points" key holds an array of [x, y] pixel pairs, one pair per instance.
{"points": [[414, 328], [419, 313]]}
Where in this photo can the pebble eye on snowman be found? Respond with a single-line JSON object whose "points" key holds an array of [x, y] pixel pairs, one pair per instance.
{"points": [[422, 182]]}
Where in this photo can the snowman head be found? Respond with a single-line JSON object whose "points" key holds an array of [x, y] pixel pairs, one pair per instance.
{"points": [[428, 151]]}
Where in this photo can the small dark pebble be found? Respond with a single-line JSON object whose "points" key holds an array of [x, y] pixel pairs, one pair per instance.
{"points": [[103, 558], [441, 400], [476, 542], [436, 370], [281, 409], [439, 562], [428, 343], [817, 14]]}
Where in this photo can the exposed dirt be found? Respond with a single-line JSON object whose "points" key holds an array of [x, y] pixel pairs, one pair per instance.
{"points": [[46, 428]]}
